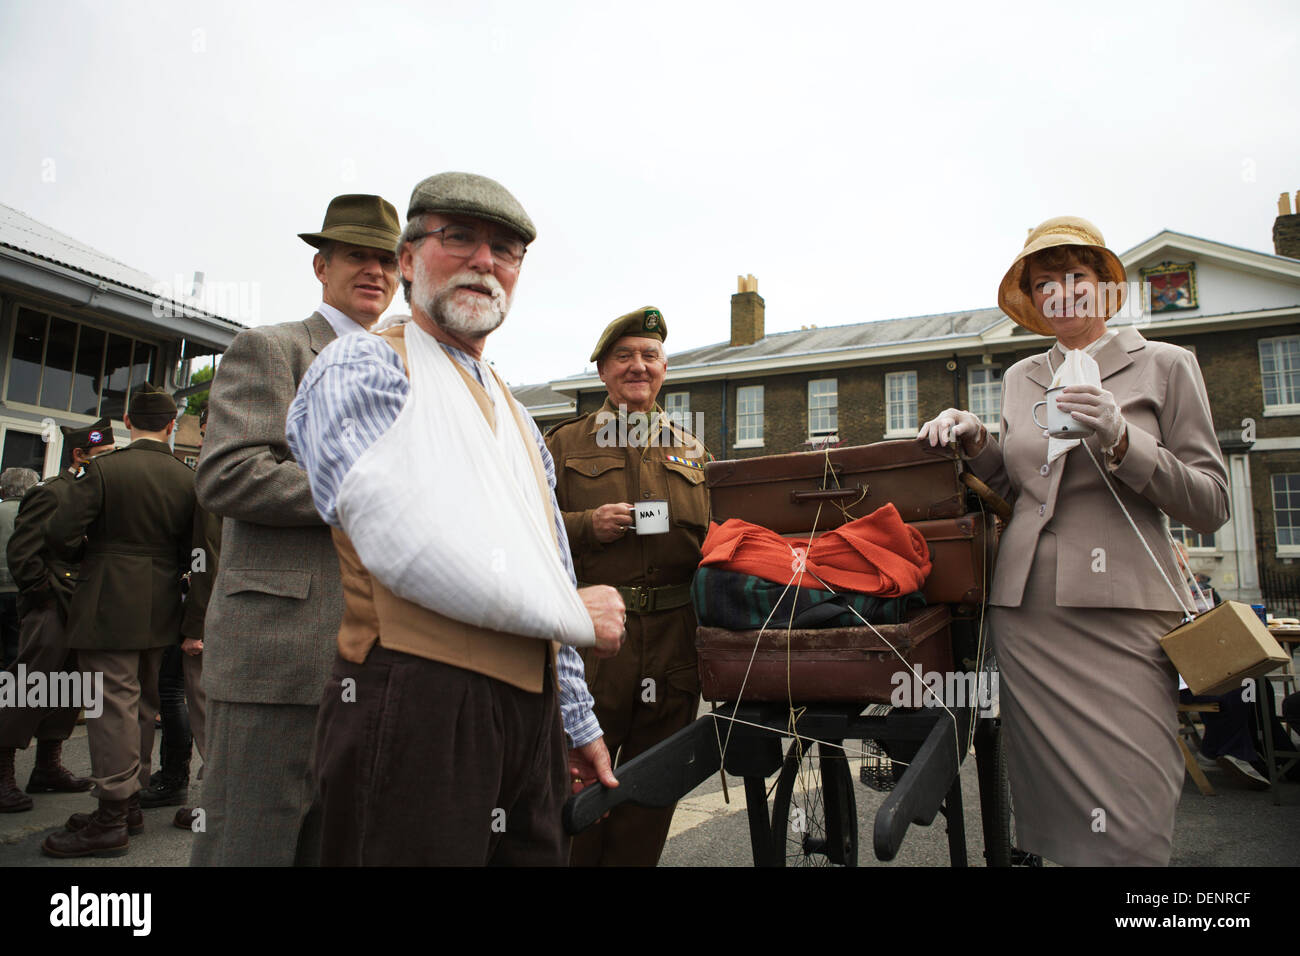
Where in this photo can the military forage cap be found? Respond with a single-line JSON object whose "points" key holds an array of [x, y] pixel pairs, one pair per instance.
{"points": [[646, 322], [148, 400], [88, 436], [369, 221], [465, 194]]}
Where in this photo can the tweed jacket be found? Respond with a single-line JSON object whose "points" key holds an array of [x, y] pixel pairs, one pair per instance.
{"points": [[274, 614], [1173, 465]]}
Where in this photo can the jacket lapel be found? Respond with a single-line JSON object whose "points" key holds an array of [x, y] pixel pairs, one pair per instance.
{"points": [[1115, 356], [1040, 372], [319, 332]]}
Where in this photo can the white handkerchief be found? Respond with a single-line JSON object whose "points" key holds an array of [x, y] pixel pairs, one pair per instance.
{"points": [[1078, 367]]}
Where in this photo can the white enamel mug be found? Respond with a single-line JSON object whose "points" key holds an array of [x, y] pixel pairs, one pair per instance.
{"points": [[1059, 424], [651, 517]]}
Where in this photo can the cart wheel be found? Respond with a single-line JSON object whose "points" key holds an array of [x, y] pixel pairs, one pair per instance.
{"points": [[996, 811], [995, 792], [814, 813]]}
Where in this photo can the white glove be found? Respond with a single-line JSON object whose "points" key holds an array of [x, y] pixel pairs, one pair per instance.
{"points": [[953, 424], [1096, 408]]}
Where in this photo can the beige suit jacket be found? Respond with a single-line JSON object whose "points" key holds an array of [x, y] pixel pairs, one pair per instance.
{"points": [[1173, 465]]}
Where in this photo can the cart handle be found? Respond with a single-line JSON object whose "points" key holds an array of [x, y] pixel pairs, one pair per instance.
{"points": [[856, 492], [987, 495]]}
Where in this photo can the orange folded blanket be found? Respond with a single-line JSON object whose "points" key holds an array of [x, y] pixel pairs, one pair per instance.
{"points": [[878, 554]]}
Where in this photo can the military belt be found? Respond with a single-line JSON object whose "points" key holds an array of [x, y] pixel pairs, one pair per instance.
{"points": [[645, 600]]}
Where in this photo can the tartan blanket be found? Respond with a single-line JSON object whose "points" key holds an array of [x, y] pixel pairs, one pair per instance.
{"points": [[744, 602]]}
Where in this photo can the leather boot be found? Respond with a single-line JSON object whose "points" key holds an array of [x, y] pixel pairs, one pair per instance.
{"points": [[134, 818], [49, 775], [12, 800], [184, 818], [164, 791], [103, 835]]}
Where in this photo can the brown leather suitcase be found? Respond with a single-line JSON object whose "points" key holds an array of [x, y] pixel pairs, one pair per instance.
{"points": [[831, 665], [783, 492], [961, 554]]}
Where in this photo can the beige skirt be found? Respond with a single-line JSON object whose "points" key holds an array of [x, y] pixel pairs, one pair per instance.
{"points": [[1089, 710]]}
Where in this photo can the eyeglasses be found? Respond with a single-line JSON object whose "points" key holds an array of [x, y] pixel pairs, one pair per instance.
{"points": [[463, 241]]}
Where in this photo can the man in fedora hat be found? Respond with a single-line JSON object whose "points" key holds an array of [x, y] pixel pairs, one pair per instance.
{"points": [[277, 601], [454, 593], [134, 511], [45, 586], [628, 451]]}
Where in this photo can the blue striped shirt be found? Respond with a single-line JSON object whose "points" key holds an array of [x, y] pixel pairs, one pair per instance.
{"points": [[352, 394]]}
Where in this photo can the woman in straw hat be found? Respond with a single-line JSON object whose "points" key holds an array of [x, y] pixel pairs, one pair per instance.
{"points": [[1078, 603]]}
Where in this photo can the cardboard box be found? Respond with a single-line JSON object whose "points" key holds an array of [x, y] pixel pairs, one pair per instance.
{"points": [[1221, 648]]}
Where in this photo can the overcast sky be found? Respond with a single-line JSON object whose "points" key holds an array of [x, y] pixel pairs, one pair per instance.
{"points": [[863, 163]]}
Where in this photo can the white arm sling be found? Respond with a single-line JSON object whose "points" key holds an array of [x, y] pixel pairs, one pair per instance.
{"points": [[449, 515]]}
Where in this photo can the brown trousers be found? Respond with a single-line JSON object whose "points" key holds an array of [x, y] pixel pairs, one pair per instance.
{"points": [[635, 716], [121, 738], [43, 647], [421, 763]]}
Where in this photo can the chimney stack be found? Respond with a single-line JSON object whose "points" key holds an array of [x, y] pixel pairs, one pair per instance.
{"points": [[1286, 228], [747, 311]]}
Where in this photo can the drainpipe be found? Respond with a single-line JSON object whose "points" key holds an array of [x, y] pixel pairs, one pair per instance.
{"points": [[724, 454]]}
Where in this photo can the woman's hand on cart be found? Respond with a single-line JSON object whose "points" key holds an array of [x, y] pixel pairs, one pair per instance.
{"points": [[954, 424]]}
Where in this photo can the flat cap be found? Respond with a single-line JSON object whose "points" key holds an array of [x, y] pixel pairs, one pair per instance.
{"points": [[88, 436], [466, 194], [148, 400], [646, 322]]}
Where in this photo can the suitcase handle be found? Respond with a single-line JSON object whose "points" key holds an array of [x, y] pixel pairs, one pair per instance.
{"points": [[855, 492]]}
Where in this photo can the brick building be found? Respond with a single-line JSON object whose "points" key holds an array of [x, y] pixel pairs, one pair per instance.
{"points": [[1238, 310]]}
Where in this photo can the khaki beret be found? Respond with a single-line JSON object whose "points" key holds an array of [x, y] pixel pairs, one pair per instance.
{"points": [[148, 400], [646, 322], [88, 436], [465, 194]]}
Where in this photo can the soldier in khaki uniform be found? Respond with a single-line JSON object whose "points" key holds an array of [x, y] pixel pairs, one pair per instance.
{"points": [[135, 509], [45, 585], [605, 462]]}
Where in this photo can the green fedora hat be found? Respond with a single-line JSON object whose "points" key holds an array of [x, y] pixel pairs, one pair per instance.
{"points": [[369, 221]]}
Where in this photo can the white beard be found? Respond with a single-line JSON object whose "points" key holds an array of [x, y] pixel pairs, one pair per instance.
{"points": [[472, 317]]}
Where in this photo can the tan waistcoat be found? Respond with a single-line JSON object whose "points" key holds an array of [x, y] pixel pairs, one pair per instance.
{"points": [[373, 613]]}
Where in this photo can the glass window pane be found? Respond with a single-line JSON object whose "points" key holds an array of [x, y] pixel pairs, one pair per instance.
{"points": [[23, 450], [749, 411], [85, 383], [117, 376], [29, 348], [60, 348], [142, 363]]}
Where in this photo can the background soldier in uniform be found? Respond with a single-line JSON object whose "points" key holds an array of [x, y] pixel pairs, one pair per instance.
{"points": [[136, 511], [651, 689], [207, 538], [45, 586]]}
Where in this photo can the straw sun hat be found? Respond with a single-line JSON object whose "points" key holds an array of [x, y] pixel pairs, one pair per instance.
{"points": [[1061, 231]]}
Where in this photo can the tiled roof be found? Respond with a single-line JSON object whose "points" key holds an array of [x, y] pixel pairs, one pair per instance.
{"points": [[854, 336], [535, 396], [21, 232]]}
